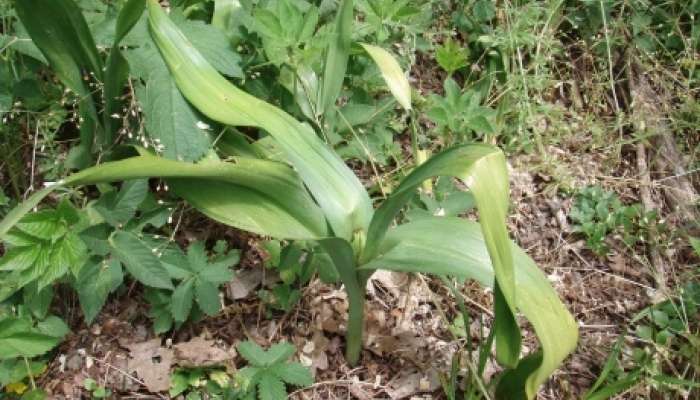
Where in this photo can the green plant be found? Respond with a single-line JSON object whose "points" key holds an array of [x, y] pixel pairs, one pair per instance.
{"points": [[42, 248], [451, 56], [23, 337], [598, 213], [459, 115], [268, 372], [325, 202], [199, 280], [665, 355], [196, 382], [295, 263], [96, 391]]}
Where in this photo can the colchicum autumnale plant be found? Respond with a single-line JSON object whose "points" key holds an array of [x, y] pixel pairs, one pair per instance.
{"points": [[315, 196]]}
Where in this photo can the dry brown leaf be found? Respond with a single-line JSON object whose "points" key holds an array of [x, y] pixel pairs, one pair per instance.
{"points": [[152, 363], [244, 282], [199, 352], [411, 382]]}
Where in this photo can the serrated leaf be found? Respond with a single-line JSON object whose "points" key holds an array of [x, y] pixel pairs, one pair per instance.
{"points": [[207, 295], [271, 387], [247, 377], [197, 256], [293, 374], [19, 258], [42, 225], [19, 339], [140, 260], [118, 208], [279, 352], [252, 353], [182, 300], [451, 56], [216, 274], [172, 121], [95, 282], [214, 46]]}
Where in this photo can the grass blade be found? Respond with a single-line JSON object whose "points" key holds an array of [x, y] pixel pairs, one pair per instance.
{"points": [[336, 58]]}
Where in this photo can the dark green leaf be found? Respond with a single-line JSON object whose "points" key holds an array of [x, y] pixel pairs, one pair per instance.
{"points": [[182, 300], [140, 260]]}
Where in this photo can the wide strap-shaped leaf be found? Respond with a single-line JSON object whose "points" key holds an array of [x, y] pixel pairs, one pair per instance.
{"points": [[456, 247], [117, 67], [59, 30], [337, 190], [392, 73], [483, 169], [260, 196], [336, 62]]}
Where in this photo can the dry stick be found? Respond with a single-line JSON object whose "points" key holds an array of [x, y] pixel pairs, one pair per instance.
{"points": [[646, 117], [639, 117], [648, 203], [678, 191]]}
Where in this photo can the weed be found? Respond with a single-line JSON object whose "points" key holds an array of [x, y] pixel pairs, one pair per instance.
{"points": [[269, 372]]}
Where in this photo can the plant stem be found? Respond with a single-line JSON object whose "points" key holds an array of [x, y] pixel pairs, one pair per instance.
{"points": [[29, 372], [356, 314]]}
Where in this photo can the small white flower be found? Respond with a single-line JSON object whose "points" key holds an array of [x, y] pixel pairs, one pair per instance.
{"points": [[203, 125]]}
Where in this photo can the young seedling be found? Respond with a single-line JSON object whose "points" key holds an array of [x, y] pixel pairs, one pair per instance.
{"points": [[269, 371]]}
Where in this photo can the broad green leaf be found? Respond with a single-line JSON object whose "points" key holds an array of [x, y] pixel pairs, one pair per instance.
{"points": [[483, 169], [217, 274], [53, 326], [253, 353], [180, 131], [279, 353], [224, 12], [451, 56], [270, 387], [68, 254], [394, 77], [337, 190], [59, 30], [293, 374], [177, 128], [140, 260], [61, 33], [336, 57], [182, 300], [117, 67], [38, 301], [118, 208], [96, 281], [19, 339], [207, 295], [22, 43], [457, 247], [19, 258], [244, 193], [214, 46]]}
